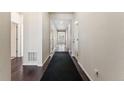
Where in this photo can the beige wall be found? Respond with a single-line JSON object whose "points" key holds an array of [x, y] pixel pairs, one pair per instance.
{"points": [[5, 64], [101, 44], [45, 36]]}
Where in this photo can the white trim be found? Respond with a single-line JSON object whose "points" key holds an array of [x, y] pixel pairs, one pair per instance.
{"points": [[40, 65], [32, 63], [36, 64], [45, 60], [53, 51], [85, 71]]}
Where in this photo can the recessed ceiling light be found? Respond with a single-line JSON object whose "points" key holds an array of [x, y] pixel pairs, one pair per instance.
{"points": [[61, 22], [76, 22]]}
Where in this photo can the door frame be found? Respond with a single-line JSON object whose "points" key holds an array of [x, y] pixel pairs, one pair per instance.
{"points": [[13, 40]]}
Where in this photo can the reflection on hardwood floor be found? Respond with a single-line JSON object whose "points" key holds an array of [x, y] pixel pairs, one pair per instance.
{"points": [[26, 73], [16, 69], [32, 73], [61, 47]]}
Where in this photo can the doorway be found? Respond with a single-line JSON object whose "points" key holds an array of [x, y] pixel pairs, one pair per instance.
{"points": [[61, 41], [16, 57]]}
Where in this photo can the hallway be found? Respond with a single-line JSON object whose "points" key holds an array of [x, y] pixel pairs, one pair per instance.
{"points": [[62, 46], [61, 68], [79, 46]]}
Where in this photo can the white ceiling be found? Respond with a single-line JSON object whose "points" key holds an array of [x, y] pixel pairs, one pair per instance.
{"points": [[61, 20]]}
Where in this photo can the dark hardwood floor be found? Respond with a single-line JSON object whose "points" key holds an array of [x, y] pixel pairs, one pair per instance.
{"points": [[32, 73], [26, 73], [16, 69], [35, 73]]}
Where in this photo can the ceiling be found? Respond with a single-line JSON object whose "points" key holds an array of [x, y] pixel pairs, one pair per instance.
{"points": [[61, 19]]}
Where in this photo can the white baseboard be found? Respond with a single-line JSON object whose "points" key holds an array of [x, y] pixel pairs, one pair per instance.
{"points": [[85, 71], [51, 55], [40, 65], [35, 64], [45, 60]]}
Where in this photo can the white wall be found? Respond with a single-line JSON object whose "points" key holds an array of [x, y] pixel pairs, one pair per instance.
{"points": [[32, 37], [101, 44], [45, 36], [5, 64]]}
